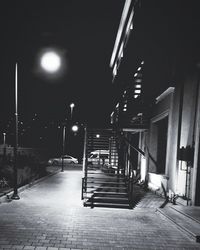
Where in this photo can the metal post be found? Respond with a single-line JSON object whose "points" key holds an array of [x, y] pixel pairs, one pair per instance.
{"points": [[15, 195], [85, 159], [4, 146], [63, 148], [85, 152], [4, 139]]}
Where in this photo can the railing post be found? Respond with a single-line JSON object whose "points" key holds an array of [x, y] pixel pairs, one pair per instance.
{"points": [[84, 179]]}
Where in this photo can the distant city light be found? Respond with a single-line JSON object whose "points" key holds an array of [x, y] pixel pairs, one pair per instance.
{"points": [[50, 61], [97, 135], [139, 68], [135, 74]]}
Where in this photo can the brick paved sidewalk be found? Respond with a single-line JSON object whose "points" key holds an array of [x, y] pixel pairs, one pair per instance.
{"points": [[50, 216]]}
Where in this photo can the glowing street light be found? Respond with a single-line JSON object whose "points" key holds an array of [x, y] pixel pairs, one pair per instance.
{"points": [[75, 128], [4, 139], [72, 105], [50, 62]]}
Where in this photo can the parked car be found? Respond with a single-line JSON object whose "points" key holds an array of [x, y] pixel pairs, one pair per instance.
{"points": [[67, 159], [98, 157]]}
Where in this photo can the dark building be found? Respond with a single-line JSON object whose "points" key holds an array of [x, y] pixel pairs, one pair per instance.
{"points": [[155, 67]]}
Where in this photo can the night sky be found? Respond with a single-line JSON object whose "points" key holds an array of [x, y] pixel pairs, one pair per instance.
{"points": [[83, 32]]}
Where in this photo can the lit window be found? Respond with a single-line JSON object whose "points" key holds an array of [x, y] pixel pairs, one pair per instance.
{"points": [[137, 91], [135, 96], [115, 70], [138, 86], [139, 68], [135, 74], [138, 80]]}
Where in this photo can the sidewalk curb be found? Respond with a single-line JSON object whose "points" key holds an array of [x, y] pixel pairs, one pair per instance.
{"points": [[6, 196]]}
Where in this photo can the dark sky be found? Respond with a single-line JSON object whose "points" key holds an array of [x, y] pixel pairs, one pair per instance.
{"points": [[83, 32], [165, 33]]}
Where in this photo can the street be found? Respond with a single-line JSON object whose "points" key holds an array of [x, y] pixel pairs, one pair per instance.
{"points": [[50, 216]]}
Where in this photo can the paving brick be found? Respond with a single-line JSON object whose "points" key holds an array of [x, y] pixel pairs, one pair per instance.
{"points": [[50, 216]]}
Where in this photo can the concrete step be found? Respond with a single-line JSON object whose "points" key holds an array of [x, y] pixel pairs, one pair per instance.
{"points": [[106, 187], [107, 205], [185, 223], [108, 193], [121, 183], [106, 178]]}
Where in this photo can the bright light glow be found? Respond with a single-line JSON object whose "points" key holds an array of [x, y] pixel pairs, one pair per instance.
{"points": [[115, 70], [138, 86], [138, 80], [121, 50], [139, 68], [135, 74], [137, 91], [50, 62], [143, 168], [74, 128], [135, 96], [72, 105], [124, 109], [97, 135], [142, 62]]}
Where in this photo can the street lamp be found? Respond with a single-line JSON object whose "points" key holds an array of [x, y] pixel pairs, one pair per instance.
{"points": [[4, 139], [4, 145], [75, 128], [15, 195], [63, 146], [72, 105], [51, 63]]}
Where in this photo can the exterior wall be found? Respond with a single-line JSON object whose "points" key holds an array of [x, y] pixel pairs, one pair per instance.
{"points": [[162, 109], [195, 189], [182, 107], [173, 141], [187, 133]]}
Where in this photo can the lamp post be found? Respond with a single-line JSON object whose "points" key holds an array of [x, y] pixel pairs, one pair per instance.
{"points": [[72, 105], [4, 139], [15, 195], [63, 146], [4, 146]]}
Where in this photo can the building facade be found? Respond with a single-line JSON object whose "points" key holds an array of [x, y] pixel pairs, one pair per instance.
{"points": [[158, 109]]}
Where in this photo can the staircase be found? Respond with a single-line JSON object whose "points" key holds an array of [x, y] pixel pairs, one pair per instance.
{"points": [[105, 190], [104, 185]]}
